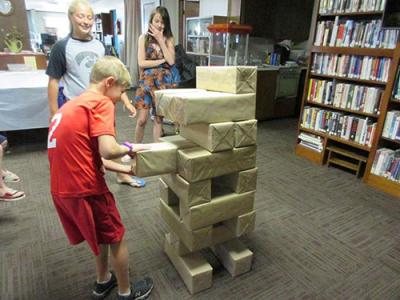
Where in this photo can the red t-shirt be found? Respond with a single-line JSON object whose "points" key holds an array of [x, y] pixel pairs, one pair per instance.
{"points": [[73, 150]]}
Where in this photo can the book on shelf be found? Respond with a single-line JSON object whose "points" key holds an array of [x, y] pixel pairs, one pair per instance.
{"points": [[349, 6], [345, 95], [311, 141], [352, 128], [351, 66], [391, 129], [396, 86], [387, 164], [350, 33]]}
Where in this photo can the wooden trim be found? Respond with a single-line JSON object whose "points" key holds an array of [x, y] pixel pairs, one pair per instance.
{"points": [[390, 140], [353, 51], [343, 109], [362, 81], [383, 184], [353, 14], [337, 139], [394, 100], [314, 156]]}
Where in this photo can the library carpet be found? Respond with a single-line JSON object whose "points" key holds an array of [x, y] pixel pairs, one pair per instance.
{"points": [[320, 232]]}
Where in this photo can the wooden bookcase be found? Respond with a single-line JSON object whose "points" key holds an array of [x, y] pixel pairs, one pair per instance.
{"points": [[386, 101]]}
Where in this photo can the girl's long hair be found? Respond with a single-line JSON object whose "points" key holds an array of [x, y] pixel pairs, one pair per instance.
{"points": [[166, 20]]}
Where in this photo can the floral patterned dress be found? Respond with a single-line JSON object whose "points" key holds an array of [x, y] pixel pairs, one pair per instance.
{"points": [[152, 79]]}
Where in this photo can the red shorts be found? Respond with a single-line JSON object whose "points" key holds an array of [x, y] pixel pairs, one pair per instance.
{"points": [[93, 218]]}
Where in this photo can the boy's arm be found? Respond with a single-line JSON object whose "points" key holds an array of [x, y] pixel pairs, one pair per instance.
{"points": [[116, 167], [110, 149], [128, 104], [52, 93]]}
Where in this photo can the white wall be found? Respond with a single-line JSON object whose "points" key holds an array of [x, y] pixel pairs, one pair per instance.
{"points": [[213, 8], [173, 10]]}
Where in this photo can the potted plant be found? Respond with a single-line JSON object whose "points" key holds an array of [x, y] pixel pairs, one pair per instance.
{"points": [[13, 40]]}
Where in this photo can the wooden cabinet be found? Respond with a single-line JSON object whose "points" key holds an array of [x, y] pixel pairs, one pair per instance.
{"points": [[19, 58]]}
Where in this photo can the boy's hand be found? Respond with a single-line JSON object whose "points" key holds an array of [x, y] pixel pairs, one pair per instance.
{"points": [[132, 110], [133, 148]]}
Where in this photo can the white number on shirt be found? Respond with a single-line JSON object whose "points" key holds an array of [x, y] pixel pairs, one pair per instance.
{"points": [[55, 121]]}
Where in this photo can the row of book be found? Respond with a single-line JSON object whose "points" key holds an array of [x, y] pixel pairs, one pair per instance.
{"points": [[391, 129], [345, 95], [396, 87], [348, 33], [342, 6], [311, 141], [351, 66], [387, 164], [348, 127]]}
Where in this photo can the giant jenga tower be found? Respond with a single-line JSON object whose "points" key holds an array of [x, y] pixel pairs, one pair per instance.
{"points": [[209, 200]]}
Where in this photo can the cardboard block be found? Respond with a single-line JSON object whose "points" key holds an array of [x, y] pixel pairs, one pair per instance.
{"points": [[229, 79], [167, 194], [242, 224], [219, 209], [193, 239], [161, 158], [197, 164], [191, 107], [239, 182], [189, 194], [245, 133], [235, 257], [194, 270], [198, 239], [179, 141], [175, 242], [212, 137]]}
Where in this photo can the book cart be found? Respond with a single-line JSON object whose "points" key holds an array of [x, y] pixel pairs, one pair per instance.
{"points": [[350, 83]]}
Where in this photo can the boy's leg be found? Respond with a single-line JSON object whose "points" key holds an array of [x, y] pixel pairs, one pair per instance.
{"points": [[120, 264], [102, 264]]}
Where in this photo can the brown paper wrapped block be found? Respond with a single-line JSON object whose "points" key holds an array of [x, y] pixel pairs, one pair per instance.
{"points": [[219, 209], [179, 141], [245, 133], [213, 137], [159, 159], [194, 270], [193, 239], [167, 194], [237, 80], [242, 224], [204, 106], [179, 247], [239, 182], [198, 239], [235, 257], [197, 164], [189, 194]]}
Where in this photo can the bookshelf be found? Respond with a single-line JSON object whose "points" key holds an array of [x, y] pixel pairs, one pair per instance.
{"points": [[349, 82]]}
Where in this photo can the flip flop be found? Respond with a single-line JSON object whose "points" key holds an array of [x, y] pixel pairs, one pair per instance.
{"points": [[136, 182], [10, 177], [12, 195]]}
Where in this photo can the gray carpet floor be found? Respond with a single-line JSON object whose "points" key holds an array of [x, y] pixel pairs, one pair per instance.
{"points": [[321, 233]]}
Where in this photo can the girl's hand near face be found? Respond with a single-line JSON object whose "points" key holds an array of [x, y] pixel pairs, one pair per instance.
{"points": [[157, 34]]}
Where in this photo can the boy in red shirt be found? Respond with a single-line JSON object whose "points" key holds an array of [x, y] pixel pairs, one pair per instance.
{"points": [[81, 141]]}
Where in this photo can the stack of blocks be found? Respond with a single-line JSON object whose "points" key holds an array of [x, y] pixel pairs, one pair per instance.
{"points": [[207, 199]]}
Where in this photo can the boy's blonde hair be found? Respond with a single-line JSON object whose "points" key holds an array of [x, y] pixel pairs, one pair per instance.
{"points": [[111, 66], [74, 5]]}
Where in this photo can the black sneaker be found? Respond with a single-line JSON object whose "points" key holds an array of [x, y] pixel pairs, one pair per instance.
{"points": [[140, 290], [101, 290]]}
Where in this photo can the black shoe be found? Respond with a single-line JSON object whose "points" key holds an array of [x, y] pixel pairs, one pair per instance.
{"points": [[140, 290], [101, 290]]}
